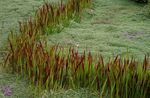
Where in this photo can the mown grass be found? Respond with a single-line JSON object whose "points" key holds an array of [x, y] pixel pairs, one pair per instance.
{"points": [[109, 28], [21, 88]]}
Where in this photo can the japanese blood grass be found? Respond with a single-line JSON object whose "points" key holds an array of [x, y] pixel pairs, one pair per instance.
{"points": [[52, 67], [50, 18]]}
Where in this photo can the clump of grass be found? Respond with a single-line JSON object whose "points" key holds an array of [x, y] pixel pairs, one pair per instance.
{"points": [[55, 68], [50, 18]]}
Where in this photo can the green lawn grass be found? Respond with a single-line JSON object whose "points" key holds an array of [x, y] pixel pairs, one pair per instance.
{"points": [[22, 89], [109, 28]]}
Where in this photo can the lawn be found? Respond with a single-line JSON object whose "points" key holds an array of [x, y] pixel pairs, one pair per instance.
{"points": [[108, 27]]}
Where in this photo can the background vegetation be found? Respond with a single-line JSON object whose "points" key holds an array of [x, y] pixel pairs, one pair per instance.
{"points": [[141, 1]]}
